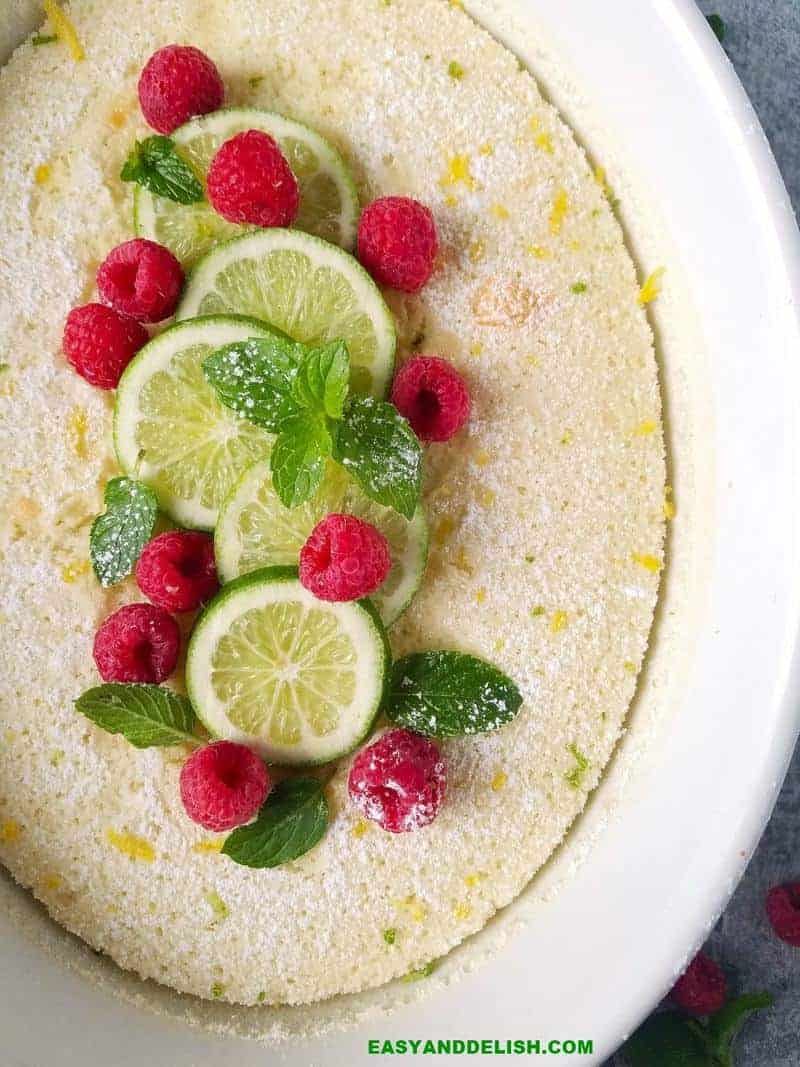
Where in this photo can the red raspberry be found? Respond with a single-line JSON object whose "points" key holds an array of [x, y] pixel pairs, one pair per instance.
{"points": [[344, 558], [702, 988], [783, 912], [142, 279], [138, 643], [432, 396], [100, 343], [223, 785], [250, 182], [176, 570], [177, 83], [398, 781], [397, 242]]}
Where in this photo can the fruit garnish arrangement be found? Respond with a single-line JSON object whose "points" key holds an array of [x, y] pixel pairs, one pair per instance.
{"points": [[253, 432]]}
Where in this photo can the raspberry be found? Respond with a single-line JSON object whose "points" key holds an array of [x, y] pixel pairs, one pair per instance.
{"points": [[142, 279], [138, 643], [783, 912], [176, 570], [250, 182], [177, 83], [702, 988], [398, 781], [432, 396], [344, 558], [100, 343], [223, 785], [397, 242]]}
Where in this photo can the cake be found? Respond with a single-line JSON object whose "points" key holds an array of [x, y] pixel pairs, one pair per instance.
{"points": [[546, 513]]}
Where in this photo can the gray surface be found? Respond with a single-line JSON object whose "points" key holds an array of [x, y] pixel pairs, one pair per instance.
{"points": [[763, 41]]}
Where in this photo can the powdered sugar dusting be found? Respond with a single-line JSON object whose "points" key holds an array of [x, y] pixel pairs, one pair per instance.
{"points": [[536, 509]]}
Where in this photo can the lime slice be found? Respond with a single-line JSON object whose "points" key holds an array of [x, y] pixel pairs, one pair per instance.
{"points": [[255, 530], [328, 198], [172, 432], [298, 679], [310, 289]]}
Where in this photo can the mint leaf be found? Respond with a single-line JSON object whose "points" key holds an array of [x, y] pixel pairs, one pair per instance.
{"points": [[145, 715], [450, 694], [293, 819], [155, 164], [724, 1027], [39, 39], [717, 24], [666, 1040], [323, 380], [118, 535], [378, 447], [298, 458], [255, 378]]}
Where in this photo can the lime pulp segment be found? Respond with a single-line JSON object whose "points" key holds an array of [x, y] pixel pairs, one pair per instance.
{"points": [[298, 679], [328, 198], [308, 288], [171, 431]]}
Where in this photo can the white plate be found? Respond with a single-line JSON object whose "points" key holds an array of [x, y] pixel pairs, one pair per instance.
{"points": [[598, 938]]}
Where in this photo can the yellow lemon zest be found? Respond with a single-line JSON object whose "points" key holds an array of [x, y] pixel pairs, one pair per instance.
{"points": [[63, 29], [650, 563], [652, 287], [559, 212], [545, 142], [77, 426], [131, 845], [499, 781], [208, 846], [647, 426], [72, 571], [558, 622], [457, 171]]}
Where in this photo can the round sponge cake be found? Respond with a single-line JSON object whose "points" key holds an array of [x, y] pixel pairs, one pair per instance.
{"points": [[547, 513]]}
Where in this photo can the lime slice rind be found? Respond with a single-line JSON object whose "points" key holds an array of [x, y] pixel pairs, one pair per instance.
{"points": [[171, 431], [305, 287], [299, 680], [328, 198], [255, 530]]}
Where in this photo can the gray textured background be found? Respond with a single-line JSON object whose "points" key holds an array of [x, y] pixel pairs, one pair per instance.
{"points": [[763, 42]]}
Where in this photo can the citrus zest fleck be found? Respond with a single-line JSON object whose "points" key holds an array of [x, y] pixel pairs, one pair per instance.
{"points": [[558, 622], [131, 845], [650, 563], [64, 29], [559, 212], [652, 287]]}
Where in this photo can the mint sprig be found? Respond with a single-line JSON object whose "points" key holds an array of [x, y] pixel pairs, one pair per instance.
{"points": [[255, 378], [118, 536], [155, 164], [145, 715], [673, 1039], [323, 380], [298, 458], [450, 694], [301, 394], [293, 819], [378, 447]]}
